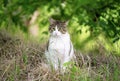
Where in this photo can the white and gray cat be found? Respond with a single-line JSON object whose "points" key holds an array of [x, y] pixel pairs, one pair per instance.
{"points": [[59, 48]]}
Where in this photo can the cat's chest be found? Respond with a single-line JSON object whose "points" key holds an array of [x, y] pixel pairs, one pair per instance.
{"points": [[57, 44]]}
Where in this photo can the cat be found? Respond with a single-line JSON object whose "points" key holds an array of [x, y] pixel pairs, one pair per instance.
{"points": [[59, 48]]}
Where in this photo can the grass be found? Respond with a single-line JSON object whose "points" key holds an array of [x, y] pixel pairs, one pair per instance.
{"points": [[22, 60]]}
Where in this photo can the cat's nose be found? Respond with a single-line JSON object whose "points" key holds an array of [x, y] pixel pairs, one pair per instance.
{"points": [[56, 34]]}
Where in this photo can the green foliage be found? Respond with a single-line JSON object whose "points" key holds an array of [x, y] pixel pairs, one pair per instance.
{"points": [[76, 73], [100, 15], [88, 20], [25, 58]]}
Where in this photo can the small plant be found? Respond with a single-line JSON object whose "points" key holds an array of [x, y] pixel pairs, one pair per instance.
{"points": [[25, 58]]}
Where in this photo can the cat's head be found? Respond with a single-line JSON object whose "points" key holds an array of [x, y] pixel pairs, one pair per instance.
{"points": [[57, 28]]}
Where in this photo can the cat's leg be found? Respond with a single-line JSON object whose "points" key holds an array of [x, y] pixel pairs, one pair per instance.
{"points": [[54, 63], [55, 67], [50, 60]]}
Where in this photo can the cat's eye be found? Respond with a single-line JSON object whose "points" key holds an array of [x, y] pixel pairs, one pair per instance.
{"points": [[59, 29], [53, 28], [64, 29]]}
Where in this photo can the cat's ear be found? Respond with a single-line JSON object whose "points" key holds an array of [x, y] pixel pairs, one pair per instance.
{"points": [[51, 20], [66, 23]]}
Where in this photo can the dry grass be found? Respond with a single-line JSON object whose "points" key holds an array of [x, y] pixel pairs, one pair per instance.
{"points": [[25, 61]]}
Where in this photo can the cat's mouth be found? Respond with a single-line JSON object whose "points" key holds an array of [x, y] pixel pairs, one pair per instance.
{"points": [[56, 34]]}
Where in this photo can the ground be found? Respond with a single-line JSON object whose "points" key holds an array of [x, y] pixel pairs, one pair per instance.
{"points": [[22, 60]]}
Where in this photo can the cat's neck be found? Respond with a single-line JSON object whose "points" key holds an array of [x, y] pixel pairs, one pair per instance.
{"points": [[66, 35]]}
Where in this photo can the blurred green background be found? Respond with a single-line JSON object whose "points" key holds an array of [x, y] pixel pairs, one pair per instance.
{"points": [[92, 23]]}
